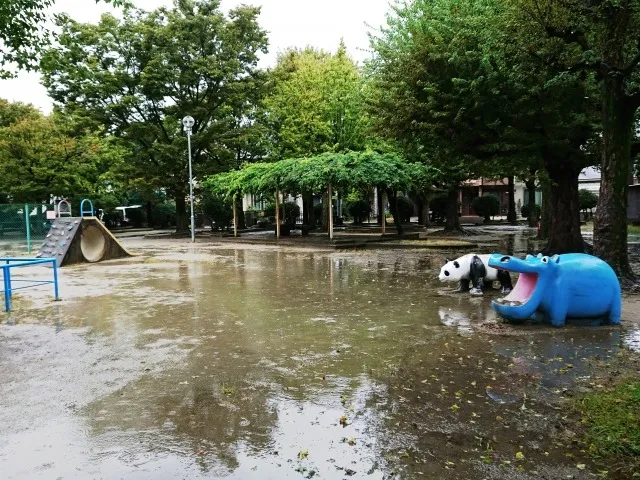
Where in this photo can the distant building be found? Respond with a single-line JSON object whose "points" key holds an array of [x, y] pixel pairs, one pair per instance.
{"points": [[500, 188]]}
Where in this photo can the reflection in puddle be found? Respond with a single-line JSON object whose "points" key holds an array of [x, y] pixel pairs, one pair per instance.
{"points": [[242, 363]]}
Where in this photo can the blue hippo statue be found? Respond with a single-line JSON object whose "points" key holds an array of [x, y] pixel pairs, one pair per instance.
{"points": [[572, 285]]}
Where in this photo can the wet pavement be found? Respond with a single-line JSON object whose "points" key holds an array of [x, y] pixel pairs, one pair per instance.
{"points": [[240, 362]]}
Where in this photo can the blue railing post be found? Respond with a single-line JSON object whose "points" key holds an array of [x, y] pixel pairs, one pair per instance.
{"points": [[83, 211], [7, 300], [28, 227], [55, 278]]}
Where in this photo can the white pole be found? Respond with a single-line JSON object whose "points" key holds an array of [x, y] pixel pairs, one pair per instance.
{"points": [[193, 220]]}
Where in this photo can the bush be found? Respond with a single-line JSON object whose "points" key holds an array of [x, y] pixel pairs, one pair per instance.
{"points": [[136, 217], [405, 209], [218, 210], [317, 213], [438, 207], [163, 214], [358, 209], [587, 199], [486, 206], [291, 212], [525, 210]]}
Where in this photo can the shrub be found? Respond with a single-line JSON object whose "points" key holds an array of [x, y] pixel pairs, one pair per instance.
{"points": [[405, 209], [486, 206], [291, 212], [525, 210], [438, 207], [163, 214], [317, 213], [358, 209], [136, 217], [587, 199], [217, 210]]}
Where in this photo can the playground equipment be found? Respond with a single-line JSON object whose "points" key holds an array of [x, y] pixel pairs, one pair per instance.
{"points": [[6, 264], [80, 239], [573, 285]]}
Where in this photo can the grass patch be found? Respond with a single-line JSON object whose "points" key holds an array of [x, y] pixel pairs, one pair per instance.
{"points": [[633, 229], [612, 421]]}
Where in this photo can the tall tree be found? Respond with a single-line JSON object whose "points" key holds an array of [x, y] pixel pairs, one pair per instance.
{"points": [[433, 88], [23, 33], [141, 75], [314, 106], [606, 33], [39, 157], [315, 103]]}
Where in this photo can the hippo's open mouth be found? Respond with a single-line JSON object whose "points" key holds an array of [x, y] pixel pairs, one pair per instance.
{"points": [[524, 288]]}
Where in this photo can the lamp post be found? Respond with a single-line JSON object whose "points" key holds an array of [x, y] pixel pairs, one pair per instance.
{"points": [[188, 122]]}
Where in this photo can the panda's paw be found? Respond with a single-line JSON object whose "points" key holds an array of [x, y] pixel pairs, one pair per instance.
{"points": [[505, 290], [475, 291]]}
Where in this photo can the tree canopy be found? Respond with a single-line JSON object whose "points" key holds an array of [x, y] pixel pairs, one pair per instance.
{"points": [[43, 156], [315, 103], [313, 174], [139, 76], [23, 33]]}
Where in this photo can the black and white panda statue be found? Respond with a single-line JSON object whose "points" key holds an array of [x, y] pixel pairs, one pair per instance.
{"points": [[475, 269]]}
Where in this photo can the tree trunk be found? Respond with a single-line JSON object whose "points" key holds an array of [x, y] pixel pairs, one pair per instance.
{"points": [[393, 204], [453, 219], [307, 209], [149, 208], [235, 218], [610, 223], [545, 209], [239, 212], [564, 232], [325, 212], [531, 194], [380, 212], [512, 215], [182, 218], [330, 197], [277, 215], [422, 202]]}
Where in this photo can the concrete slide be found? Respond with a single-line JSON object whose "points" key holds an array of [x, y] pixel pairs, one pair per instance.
{"points": [[80, 240]]}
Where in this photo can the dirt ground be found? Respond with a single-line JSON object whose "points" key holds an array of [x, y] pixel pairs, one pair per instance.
{"points": [[246, 361]]}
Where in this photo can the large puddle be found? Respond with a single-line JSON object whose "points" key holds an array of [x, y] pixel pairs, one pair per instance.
{"points": [[214, 362]]}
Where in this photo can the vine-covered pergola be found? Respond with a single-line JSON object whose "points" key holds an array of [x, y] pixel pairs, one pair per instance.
{"points": [[325, 172]]}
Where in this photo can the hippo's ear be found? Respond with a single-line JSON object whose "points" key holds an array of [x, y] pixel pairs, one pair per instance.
{"points": [[529, 257], [556, 258], [540, 255]]}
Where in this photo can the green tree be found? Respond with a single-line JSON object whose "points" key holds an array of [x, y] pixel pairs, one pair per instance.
{"points": [[39, 158], [606, 33], [432, 89], [588, 200], [139, 76], [486, 206], [314, 106], [315, 103], [22, 32]]}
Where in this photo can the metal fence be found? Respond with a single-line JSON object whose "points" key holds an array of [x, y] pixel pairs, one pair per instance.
{"points": [[23, 227]]}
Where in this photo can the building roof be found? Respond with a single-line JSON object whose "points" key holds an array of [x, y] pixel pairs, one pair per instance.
{"points": [[589, 174]]}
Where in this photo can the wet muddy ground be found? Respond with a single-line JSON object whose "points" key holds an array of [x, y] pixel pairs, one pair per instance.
{"points": [[241, 361]]}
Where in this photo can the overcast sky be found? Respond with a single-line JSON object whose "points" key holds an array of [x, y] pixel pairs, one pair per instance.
{"points": [[320, 23]]}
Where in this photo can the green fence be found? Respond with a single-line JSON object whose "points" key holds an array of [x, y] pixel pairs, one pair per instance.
{"points": [[23, 228]]}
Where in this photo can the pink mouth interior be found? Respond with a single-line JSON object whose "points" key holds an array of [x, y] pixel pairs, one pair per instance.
{"points": [[524, 288]]}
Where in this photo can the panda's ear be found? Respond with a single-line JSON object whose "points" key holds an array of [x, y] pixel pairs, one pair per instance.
{"points": [[456, 264]]}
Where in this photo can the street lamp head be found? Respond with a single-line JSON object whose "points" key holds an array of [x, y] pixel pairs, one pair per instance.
{"points": [[188, 122]]}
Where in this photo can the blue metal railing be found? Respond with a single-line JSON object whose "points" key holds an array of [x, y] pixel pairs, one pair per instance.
{"points": [[6, 264], [83, 211]]}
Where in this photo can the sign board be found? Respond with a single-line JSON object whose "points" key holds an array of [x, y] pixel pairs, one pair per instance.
{"points": [[51, 214]]}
